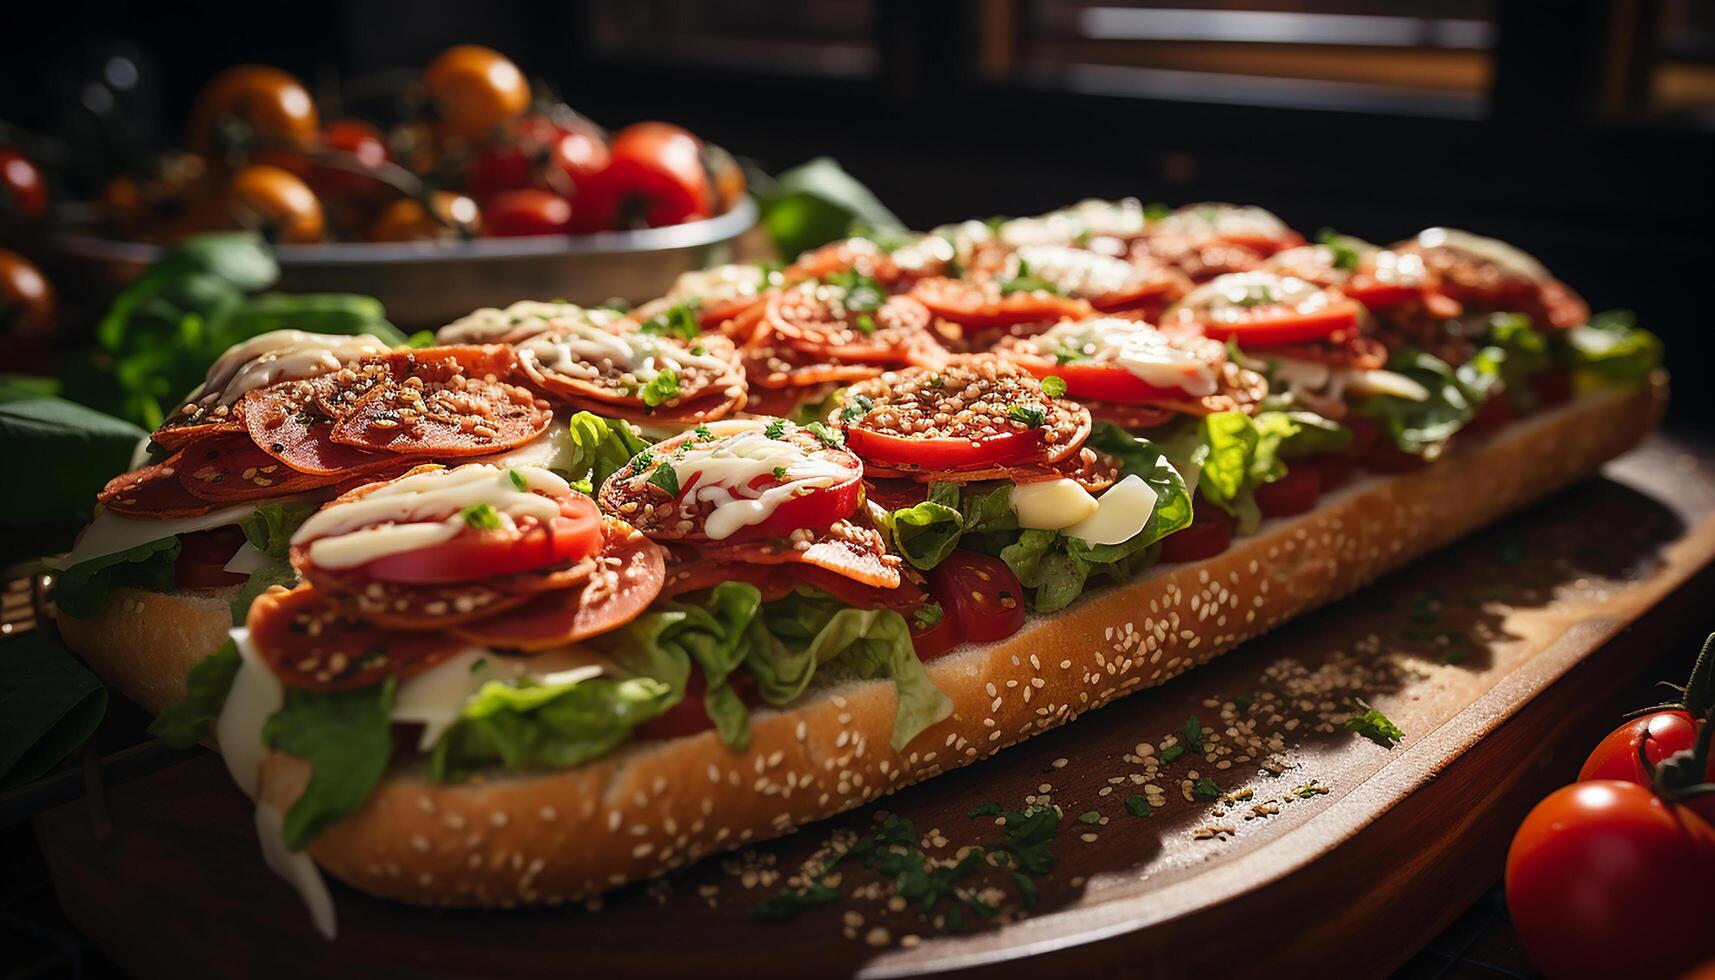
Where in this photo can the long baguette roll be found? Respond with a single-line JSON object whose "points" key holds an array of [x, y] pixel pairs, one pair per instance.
{"points": [[651, 806]]}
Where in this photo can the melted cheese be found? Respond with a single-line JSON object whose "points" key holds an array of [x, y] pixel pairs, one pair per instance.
{"points": [[110, 533], [1389, 383], [552, 450], [641, 355], [1051, 504], [721, 474], [1321, 379], [1138, 347], [280, 355], [720, 282], [424, 510], [525, 318], [1509, 258], [1230, 298], [1121, 513], [247, 560], [1200, 222], [1076, 272]]}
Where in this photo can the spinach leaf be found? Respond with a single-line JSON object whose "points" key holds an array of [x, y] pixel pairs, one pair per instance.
{"points": [[81, 591], [206, 686], [346, 737]]}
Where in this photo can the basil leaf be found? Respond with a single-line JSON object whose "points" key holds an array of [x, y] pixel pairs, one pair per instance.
{"points": [[270, 529], [1422, 428], [81, 591], [346, 737], [206, 686]]}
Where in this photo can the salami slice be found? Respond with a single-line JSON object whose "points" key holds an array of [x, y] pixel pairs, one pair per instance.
{"points": [[851, 255], [313, 643], [991, 305], [636, 372], [231, 468], [770, 364], [461, 416], [822, 320], [153, 491], [855, 552], [626, 580]]}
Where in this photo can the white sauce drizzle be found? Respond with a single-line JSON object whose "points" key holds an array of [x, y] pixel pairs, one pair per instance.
{"points": [[1508, 257], [525, 318], [281, 355], [1200, 222], [723, 474], [1076, 272], [1138, 347], [641, 355], [1230, 298]]}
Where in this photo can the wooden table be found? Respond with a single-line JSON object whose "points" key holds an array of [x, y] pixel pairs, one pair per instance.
{"points": [[1499, 658]]}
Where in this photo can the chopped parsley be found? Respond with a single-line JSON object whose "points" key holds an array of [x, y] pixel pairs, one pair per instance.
{"points": [[1193, 732], [780, 473], [702, 432], [478, 664], [863, 294], [1308, 790], [1065, 353], [936, 382], [1137, 806], [1024, 281], [663, 387], [667, 478], [1034, 416], [1257, 294], [679, 320], [1375, 726], [986, 810], [1090, 816], [1172, 753], [481, 516], [1346, 255], [928, 614], [517, 479], [1206, 789], [828, 436], [858, 407], [1053, 386], [776, 429], [865, 324]]}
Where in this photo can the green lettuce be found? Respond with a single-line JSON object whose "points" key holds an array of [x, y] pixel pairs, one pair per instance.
{"points": [[530, 725], [1422, 428], [269, 530], [1518, 352], [927, 533], [599, 448], [666, 641], [1229, 455], [1613, 347], [189, 722], [81, 591], [347, 739]]}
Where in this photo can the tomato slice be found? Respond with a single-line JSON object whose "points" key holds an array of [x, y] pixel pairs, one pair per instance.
{"points": [[1495, 413], [937, 639], [997, 448], [980, 594], [1210, 533], [1294, 493], [475, 555], [203, 556], [1104, 382], [1276, 324]]}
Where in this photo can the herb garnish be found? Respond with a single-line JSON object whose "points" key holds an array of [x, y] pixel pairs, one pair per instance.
{"points": [[780, 473], [679, 320], [1053, 386], [1137, 806], [1256, 294], [702, 432], [481, 516], [1034, 416], [661, 388], [1375, 726], [667, 478], [865, 324], [517, 479], [1206, 789], [1346, 255], [863, 294], [828, 436], [1025, 282], [775, 429], [858, 407], [927, 615]]}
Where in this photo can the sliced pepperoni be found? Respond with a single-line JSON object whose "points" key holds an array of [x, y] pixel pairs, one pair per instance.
{"points": [[769, 364], [231, 468], [988, 306], [1094, 471], [462, 416], [853, 254], [198, 422], [709, 408], [615, 368], [313, 643], [816, 319], [1200, 261], [1131, 417], [433, 607], [852, 551], [153, 491], [1351, 350], [628, 578], [287, 421]]}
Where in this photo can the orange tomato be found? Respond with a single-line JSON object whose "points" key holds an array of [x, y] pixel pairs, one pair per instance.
{"points": [[277, 204], [252, 107], [448, 216], [473, 90]]}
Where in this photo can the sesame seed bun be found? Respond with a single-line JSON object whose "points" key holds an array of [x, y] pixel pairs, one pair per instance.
{"points": [[145, 643], [506, 839]]}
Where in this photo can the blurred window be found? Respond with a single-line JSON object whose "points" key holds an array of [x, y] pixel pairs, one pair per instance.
{"points": [[831, 38], [1382, 55]]}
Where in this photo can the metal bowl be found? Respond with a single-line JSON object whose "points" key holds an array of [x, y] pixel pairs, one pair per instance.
{"points": [[427, 284]]}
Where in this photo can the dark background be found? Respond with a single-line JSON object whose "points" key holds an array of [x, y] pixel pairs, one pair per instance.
{"points": [[1583, 130]]}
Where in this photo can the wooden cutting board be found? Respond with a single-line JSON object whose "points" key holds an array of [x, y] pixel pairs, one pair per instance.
{"points": [[1282, 843]]}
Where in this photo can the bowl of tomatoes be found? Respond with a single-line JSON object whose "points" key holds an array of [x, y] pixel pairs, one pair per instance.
{"points": [[468, 187]]}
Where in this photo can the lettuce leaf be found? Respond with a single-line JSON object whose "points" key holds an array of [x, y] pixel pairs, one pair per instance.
{"points": [[1293, 435], [664, 642], [81, 591], [1613, 347], [270, 531], [184, 724], [600, 447], [1422, 428], [346, 736], [532, 725], [927, 533]]}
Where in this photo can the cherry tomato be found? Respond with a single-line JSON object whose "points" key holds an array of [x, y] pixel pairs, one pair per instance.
{"points": [[1552, 388], [1294, 493], [1104, 382], [474, 555], [27, 303], [1210, 533], [360, 152], [23, 192], [1335, 468], [1606, 879], [474, 91], [203, 556], [1495, 414], [1662, 733], [252, 107], [575, 156], [277, 204], [936, 639], [407, 220], [654, 177], [528, 212], [980, 594]]}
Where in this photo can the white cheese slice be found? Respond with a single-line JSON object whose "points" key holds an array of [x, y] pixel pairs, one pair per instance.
{"points": [[256, 693], [1051, 504], [110, 533], [552, 450], [1390, 383], [297, 868], [1122, 512], [247, 560], [436, 697]]}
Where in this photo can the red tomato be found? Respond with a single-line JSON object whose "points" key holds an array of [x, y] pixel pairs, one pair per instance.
{"points": [[474, 91], [1210, 533], [28, 306], [816, 509], [203, 556], [1335, 468], [1294, 493], [1552, 388], [474, 555], [1495, 414], [358, 150], [1365, 432], [576, 155], [980, 594], [1104, 382], [1661, 734], [23, 192], [1273, 325], [1606, 879], [527, 212], [654, 177], [933, 641], [997, 448]]}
